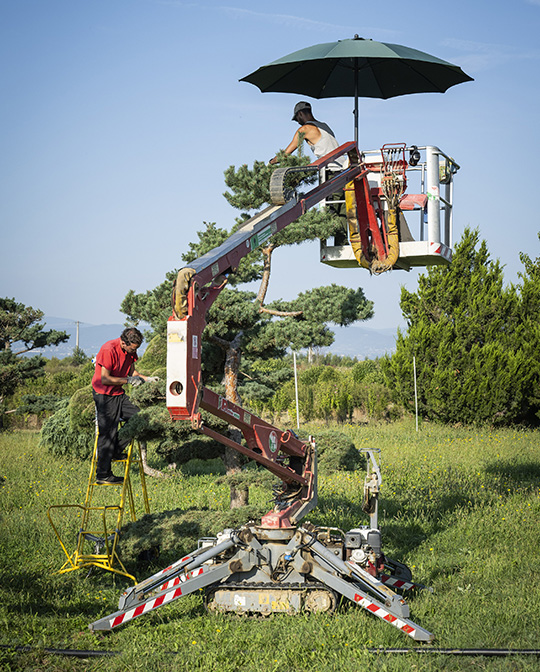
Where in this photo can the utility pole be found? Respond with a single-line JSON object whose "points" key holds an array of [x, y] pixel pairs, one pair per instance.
{"points": [[77, 336]]}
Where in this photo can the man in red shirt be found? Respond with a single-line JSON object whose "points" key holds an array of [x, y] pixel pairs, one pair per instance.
{"points": [[115, 367]]}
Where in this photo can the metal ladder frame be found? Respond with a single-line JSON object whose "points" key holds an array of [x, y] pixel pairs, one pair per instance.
{"points": [[105, 540]]}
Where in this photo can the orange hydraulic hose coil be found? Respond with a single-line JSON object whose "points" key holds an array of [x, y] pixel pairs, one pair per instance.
{"points": [[374, 265]]}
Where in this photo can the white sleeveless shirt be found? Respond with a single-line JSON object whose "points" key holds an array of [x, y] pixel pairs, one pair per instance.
{"points": [[324, 146]]}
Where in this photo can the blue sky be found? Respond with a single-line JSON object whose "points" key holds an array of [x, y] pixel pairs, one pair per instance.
{"points": [[120, 116]]}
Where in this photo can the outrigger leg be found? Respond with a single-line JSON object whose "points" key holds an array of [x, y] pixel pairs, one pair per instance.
{"points": [[257, 567]]}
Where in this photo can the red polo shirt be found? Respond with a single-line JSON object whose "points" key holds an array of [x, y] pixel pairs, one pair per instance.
{"points": [[117, 362]]}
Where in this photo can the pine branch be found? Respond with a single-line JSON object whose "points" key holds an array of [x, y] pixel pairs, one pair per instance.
{"points": [[281, 313]]}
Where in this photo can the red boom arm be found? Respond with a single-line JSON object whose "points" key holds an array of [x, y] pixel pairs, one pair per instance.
{"points": [[197, 287]]}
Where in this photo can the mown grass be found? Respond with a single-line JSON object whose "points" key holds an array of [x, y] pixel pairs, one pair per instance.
{"points": [[460, 506]]}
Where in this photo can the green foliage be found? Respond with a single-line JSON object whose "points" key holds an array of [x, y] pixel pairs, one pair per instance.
{"points": [[176, 533], [455, 505], [82, 410], [176, 442], [250, 187], [474, 359], [339, 305], [249, 190], [313, 374], [79, 357], [529, 330], [71, 430], [63, 381], [333, 396], [60, 438], [15, 370], [328, 393], [336, 451], [260, 378], [313, 225], [320, 307], [367, 371], [236, 311], [38, 403], [21, 326], [60, 380], [154, 360], [21, 332]]}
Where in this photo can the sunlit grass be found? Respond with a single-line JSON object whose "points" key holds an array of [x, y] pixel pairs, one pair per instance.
{"points": [[460, 506]]}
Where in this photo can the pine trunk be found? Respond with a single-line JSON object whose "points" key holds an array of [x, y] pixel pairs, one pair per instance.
{"points": [[233, 464]]}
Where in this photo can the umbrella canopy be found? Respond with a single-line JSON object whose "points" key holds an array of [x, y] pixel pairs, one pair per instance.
{"points": [[357, 67]]}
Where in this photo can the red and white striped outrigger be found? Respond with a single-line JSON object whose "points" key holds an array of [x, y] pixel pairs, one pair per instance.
{"points": [[253, 557]]}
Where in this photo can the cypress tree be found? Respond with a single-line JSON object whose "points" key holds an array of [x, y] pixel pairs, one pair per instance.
{"points": [[466, 331]]}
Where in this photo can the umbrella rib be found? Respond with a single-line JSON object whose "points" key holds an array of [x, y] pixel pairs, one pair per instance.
{"points": [[281, 78], [412, 67]]}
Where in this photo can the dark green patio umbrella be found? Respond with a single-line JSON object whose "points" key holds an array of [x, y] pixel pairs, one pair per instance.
{"points": [[357, 67]]}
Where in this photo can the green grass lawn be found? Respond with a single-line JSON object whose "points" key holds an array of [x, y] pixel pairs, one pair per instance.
{"points": [[460, 506]]}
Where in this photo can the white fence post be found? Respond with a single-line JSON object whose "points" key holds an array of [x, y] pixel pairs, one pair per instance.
{"points": [[415, 392], [296, 392]]}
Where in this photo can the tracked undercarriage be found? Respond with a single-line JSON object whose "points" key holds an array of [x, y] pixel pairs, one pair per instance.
{"points": [[261, 570]]}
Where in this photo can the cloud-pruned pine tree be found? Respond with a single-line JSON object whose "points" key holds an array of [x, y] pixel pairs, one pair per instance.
{"points": [[240, 327]]}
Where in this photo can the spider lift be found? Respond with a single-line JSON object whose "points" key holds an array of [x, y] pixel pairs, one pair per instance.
{"points": [[283, 564]]}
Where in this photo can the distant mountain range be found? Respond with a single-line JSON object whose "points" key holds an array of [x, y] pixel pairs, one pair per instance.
{"points": [[91, 337], [360, 342]]}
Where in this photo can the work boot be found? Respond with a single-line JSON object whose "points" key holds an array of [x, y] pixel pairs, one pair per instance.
{"points": [[110, 480], [120, 456]]}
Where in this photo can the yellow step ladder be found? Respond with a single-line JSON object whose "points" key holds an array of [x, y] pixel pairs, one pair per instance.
{"points": [[101, 523]]}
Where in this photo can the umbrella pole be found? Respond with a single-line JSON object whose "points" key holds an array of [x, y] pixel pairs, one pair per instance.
{"points": [[356, 117]]}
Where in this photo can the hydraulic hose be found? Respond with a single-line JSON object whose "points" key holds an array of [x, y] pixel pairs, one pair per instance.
{"points": [[498, 653], [354, 229], [363, 257], [382, 265], [180, 292]]}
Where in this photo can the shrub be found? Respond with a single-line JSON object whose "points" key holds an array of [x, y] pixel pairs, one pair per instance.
{"points": [[474, 340], [332, 396], [155, 357], [335, 451], [82, 410], [60, 438], [175, 533], [367, 372], [317, 374], [327, 394], [39, 403]]}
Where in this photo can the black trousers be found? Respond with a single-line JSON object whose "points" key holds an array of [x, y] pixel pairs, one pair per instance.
{"points": [[110, 410]]}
